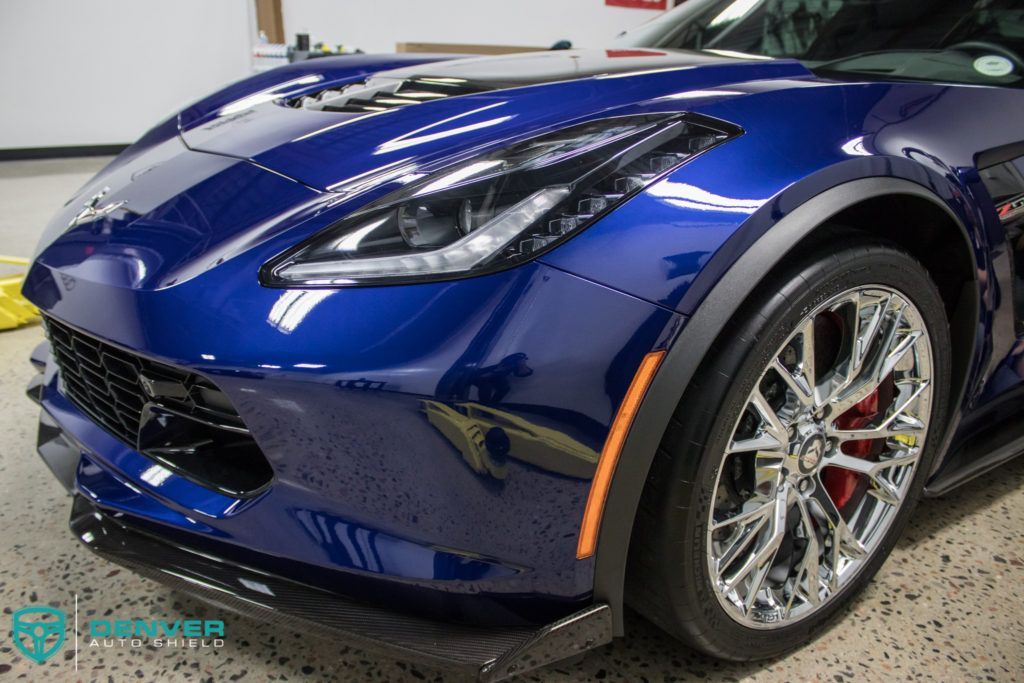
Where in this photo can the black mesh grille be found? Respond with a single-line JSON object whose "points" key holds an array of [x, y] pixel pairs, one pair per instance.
{"points": [[107, 384]]}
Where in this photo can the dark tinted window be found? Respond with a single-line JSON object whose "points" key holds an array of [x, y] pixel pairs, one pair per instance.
{"points": [[973, 41]]}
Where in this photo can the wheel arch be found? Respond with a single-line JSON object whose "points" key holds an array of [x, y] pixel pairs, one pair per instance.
{"points": [[874, 205]]}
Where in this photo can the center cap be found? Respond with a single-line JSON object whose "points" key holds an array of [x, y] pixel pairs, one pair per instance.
{"points": [[810, 454]]}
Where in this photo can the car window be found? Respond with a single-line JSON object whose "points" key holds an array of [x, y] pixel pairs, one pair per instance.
{"points": [[970, 41]]}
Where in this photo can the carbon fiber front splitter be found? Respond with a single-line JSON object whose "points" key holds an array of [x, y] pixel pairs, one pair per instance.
{"points": [[481, 653]]}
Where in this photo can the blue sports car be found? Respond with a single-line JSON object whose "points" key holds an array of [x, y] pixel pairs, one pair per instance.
{"points": [[458, 357]]}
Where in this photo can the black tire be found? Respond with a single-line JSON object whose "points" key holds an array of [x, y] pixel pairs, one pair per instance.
{"points": [[668, 580]]}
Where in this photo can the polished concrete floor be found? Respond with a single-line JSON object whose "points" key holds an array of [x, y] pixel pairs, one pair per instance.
{"points": [[948, 605]]}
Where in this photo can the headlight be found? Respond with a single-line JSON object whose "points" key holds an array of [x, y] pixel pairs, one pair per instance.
{"points": [[497, 209]]}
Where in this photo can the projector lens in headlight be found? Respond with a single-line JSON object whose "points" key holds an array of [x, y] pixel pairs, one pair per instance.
{"points": [[497, 209]]}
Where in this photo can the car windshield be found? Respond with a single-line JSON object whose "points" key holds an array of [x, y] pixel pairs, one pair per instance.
{"points": [[967, 41]]}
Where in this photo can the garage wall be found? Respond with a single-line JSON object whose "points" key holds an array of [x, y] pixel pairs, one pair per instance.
{"points": [[376, 25], [102, 72], [96, 72]]}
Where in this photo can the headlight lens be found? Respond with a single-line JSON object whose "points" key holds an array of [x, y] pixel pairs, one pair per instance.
{"points": [[497, 209]]}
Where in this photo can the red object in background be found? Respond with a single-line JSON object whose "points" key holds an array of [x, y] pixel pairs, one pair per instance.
{"points": [[633, 53], [638, 4]]}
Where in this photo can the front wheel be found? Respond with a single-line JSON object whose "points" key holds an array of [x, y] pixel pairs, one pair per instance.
{"points": [[818, 412]]}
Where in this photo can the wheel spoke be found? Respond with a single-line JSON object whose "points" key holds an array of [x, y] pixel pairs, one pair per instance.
{"points": [[798, 383], [851, 395], [843, 541], [888, 339], [877, 349], [900, 349], [869, 468], [758, 563], [809, 569], [761, 442], [772, 423], [758, 513], [867, 327], [885, 491], [757, 578], [882, 488], [897, 423], [801, 379], [862, 332], [742, 539], [768, 472]]}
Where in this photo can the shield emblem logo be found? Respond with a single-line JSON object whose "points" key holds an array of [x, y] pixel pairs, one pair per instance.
{"points": [[38, 632]]}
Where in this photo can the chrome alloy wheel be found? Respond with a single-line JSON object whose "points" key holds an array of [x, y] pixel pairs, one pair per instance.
{"points": [[821, 458]]}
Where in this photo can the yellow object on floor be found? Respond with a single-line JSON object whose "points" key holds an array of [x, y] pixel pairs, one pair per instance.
{"points": [[15, 310]]}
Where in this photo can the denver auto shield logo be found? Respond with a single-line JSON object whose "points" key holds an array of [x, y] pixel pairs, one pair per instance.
{"points": [[38, 631]]}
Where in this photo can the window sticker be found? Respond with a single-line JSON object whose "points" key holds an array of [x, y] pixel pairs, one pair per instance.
{"points": [[994, 66]]}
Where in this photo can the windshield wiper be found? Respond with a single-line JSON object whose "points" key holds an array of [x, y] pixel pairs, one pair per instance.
{"points": [[860, 55]]}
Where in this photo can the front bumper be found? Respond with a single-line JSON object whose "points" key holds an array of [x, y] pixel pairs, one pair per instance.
{"points": [[480, 653], [374, 408], [486, 654]]}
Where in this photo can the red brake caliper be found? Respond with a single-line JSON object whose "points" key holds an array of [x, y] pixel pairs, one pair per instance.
{"points": [[841, 484]]}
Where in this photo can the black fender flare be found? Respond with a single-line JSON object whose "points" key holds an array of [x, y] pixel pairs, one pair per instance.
{"points": [[688, 350]]}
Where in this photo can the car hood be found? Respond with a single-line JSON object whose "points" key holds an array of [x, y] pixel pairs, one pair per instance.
{"points": [[422, 112], [263, 164]]}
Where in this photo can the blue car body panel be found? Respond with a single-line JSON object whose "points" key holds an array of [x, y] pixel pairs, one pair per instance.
{"points": [[363, 482], [335, 384]]}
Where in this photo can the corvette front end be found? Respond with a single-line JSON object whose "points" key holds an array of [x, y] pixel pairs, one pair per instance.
{"points": [[359, 342], [425, 446]]}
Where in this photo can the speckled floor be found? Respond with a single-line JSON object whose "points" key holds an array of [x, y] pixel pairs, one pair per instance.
{"points": [[948, 605]]}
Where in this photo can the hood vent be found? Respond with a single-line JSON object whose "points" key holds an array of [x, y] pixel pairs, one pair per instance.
{"points": [[380, 94]]}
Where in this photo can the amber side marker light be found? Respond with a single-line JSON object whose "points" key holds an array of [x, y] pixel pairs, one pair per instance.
{"points": [[610, 453]]}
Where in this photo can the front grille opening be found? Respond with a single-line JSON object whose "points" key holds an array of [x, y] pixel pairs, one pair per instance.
{"points": [[178, 418], [380, 94]]}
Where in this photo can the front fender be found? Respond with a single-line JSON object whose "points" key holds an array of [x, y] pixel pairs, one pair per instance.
{"points": [[688, 351], [670, 244]]}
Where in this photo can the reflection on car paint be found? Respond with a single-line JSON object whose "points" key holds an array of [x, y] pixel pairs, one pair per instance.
{"points": [[487, 437]]}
